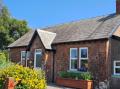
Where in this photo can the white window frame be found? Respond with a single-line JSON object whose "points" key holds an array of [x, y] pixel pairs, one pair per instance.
{"points": [[35, 57], [73, 59], [116, 67], [80, 55], [21, 56]]}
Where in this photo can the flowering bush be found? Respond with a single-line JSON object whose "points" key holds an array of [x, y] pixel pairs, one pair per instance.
{"points": [[27, 78]]}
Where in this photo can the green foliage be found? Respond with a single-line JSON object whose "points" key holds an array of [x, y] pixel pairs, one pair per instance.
{"points": [[2, 58], [6, 54], [76, 75], [25, 77], [10, 28], [2, 66], [21, 87], [5, 64]]}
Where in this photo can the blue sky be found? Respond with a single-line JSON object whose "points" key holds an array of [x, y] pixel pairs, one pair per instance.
{"points": [[42, 13]]}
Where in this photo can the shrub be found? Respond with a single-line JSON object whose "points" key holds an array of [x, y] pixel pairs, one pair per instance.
{"points": [[2, 58], [5, 64], [27, 78], [6, 54], [76, 75]]}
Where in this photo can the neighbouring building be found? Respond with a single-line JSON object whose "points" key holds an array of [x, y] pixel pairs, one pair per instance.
{"points": [[93, 43]]}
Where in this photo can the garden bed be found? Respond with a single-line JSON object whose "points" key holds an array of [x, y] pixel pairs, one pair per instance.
{"points": [[82, 84], [73, 80]]}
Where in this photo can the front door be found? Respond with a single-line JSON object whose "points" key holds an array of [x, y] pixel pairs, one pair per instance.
{"points": [[38, 58]]}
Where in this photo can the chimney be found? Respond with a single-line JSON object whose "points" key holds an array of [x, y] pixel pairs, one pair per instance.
{"points": [[117, 7]]}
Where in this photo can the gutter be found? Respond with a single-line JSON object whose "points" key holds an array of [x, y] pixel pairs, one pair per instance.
{"points": [[79, 41], [17, 46]]}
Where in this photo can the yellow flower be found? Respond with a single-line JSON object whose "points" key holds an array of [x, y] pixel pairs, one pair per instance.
{"points": [[17, 79]]}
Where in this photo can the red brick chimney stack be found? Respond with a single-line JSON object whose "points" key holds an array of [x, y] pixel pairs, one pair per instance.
{"points": [[117, 6]]}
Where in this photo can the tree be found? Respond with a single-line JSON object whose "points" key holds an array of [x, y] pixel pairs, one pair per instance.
{"points": [[0, 5], [10, 28]]}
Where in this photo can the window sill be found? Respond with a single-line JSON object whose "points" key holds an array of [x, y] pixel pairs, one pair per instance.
{"points": [[115, 76], [77, 71], [72, 70]]}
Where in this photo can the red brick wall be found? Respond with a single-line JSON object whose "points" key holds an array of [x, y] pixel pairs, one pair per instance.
{"points": [[62, 56], [95, 48], [46, 58], [36, 44], [15, 54]]}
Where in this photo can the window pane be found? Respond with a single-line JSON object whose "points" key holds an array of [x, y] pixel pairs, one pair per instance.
{"points": [[117, 70], [84, 53], [23, 53], [28, 54], [117, 63], [74, 53], [38, 60], [73, 64], [84, 65]]}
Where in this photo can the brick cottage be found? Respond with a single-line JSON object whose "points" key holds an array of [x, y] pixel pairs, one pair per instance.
{"points": [[92, 43]]}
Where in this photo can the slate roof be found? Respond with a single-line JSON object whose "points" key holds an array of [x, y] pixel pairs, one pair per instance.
{"points": [[89, 29], [46, 38]]}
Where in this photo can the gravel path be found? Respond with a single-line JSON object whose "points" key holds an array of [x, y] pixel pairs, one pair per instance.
{"points": [[53, 86]]}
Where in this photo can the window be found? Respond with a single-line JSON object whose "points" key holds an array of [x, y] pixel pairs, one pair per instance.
{"points": [[83, 59], [28, 55], [73, 58], [116, 67], [38, 58], [23, 55], [83, 64], [83, 53]]}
